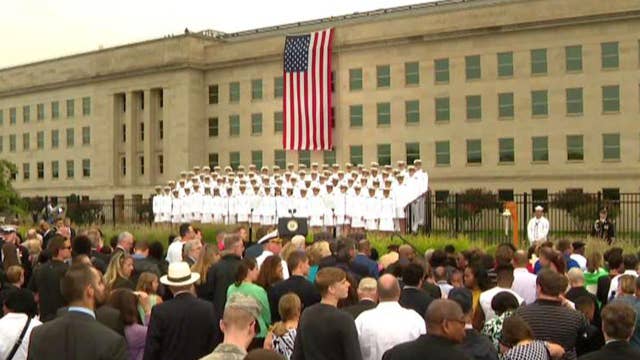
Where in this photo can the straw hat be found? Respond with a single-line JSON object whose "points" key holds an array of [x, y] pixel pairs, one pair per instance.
{"points": [[179, 274]]}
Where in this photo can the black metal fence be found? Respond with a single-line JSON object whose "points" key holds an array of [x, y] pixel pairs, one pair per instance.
{"points": [[480, 215]]}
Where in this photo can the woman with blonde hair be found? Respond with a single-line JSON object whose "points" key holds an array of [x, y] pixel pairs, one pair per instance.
{"points": [[148, 283], [297, 243], [118, 274], [208, 256], [282, 335], [318, 251]]}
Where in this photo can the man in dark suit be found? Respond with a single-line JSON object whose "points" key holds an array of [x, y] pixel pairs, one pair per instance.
{"points": [[413, 296], [618, 324], [107, 315], [367, 297], [297, 283], [362, 258], [184, 327], [141, 262], [445, 329], [77, 334]]}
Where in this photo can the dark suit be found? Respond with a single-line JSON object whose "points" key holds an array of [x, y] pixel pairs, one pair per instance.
{"points": [[415, 299], [76, 336], [357, 309], [181, 328], [296, 284], [615, 350], [426, 346], [371, 265], [141, 265], [106, 315], [220, 276]]}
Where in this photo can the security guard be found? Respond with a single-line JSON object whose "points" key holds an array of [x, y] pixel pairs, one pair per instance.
{"points": [[603, 228]]}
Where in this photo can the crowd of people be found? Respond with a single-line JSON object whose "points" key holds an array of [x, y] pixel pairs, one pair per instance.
{"points": [[354, 198], [84, 297]]}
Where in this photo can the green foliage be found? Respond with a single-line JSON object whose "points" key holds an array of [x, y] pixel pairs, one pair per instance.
{"points": [[582, 208], [468, 206], [10, 202]]}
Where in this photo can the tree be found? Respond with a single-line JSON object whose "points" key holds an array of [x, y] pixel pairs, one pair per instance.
{"points": [[467, 208], [10, 201]]}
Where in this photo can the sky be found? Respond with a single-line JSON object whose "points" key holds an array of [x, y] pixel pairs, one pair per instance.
{"points": [[34, 30]]}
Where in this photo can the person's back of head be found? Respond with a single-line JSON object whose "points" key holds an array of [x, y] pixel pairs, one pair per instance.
{"points": [[232, 242], [126, 302], [388, 288], [564, 246], [263, 354], [141, 247], [445, 319], [464, 298], [296, 259], [438, 258], [81, 245], [520, 259], [368, 289], [504, 254], [576, 277], [585, 305], [156, 250], [627, 285], [412, 274], [440, 273], [289, 307], [345, 250], [578, 247], [15, 275], [551, 283], [364, 246], [618, 321], [515, 330], [504, 301], [74, 284], [21, 301], [630, 262], [505, 275], [240, 316]]}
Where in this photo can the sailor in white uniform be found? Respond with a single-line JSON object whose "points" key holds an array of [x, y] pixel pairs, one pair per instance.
{"points": [[538, 227]]}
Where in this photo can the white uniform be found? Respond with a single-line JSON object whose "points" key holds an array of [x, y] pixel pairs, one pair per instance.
{"points": [[372, 212], [538, 229], [156, 208], [242, 206], [220, 209], [207, 209], [355, 210], [268, 210], [387, 214], [316, 210], [340, 203], [176, 210], [329, 206]]}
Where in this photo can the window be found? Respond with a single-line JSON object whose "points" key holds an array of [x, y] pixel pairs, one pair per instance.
{"points": [[256, 158], [86, 135], [12, 116], [55, 169], [70, 138], [234, 92], [234, 159], [355, 116], [26, 113], [412, 73], [12, 143], [539, 106], [277, 122], [610, 99], [161, 97], [141, 132], [538, 61], [472, 67], [71, 108], [575, 148], [141, 165], [71, 169], [25, 142], [40, 112], [609, 52], [161, 129], [355, 79], [214, 94], [214, 160], [505, 64], [55, 110], [213, 127], [355, 154], [256, 89], [234, 125], [26, 171], [141, 98], [384, 154], [573, 58], [412, 152], [86, 167], [55, 139], [506, 150], [474, 151], [124, 133], [1, 117], [412, 111], [505, 195], [539, 197], [442, 109], [441, 69], [329, 157], [474, 107], [384, 113], [280, 158], [442, 198], [278, 87], [40, 140], [540, 148], [574, 101], [86, 106], [611, 146], [443, 155], [383, 76], [505, 105], [256, 124], [161, 164], [123, 166], [611, 195], [304, 157]]}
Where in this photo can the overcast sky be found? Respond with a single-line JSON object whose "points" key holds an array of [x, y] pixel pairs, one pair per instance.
{"points": [[35, 30]]}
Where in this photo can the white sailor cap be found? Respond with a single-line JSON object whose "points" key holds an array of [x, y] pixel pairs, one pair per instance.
{"points": [[269, 236], [539, 208]]}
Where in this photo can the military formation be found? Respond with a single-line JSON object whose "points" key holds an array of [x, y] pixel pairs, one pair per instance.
{"points": [[353, 197]]}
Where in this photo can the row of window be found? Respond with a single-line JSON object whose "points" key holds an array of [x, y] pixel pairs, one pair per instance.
{"points": [[41, 113], [538, 196], [123, 165], [40, 139], [141, 131], [55, 170]]}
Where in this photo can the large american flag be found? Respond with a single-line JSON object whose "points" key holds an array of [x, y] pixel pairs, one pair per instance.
{"points": [[307, 116]]}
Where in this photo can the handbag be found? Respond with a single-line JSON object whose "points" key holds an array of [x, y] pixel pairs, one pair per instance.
{"points": [[14, 350]]}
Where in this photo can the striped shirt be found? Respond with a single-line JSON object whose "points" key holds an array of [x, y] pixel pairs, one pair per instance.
{"points": [[550, 321]]}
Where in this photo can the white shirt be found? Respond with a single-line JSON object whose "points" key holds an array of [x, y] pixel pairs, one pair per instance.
{"points": [[265, 254], [487, 296], [538, 229], [385, 326], [581, 260], [524, 284], [616, 279], [11, 326], [174, 252]]}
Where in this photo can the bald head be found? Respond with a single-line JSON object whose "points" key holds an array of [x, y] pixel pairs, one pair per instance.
{"points": [[520, 259], [439, 311], [406, 252], [388, 288]]}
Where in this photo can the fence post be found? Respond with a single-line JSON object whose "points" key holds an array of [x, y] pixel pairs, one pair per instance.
{"points": [[599, 203], [113, 211], [457, 215], [525, 210]]}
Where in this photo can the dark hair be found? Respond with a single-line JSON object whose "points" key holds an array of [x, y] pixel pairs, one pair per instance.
{"points": [[514, 330], [156, 250], [247, 264], [563, 245], [295, 259], [438, 258], [551, 282], [504, 301], [504, 254], [21, 301], [268, 274], [184, 229], [630, 261], [449, 249], [481, 275], [584, 303], [125, 301], [75, 281], [81, 245], [113, 241], [618, 320], [412, 274], [263, 354], [56, 244], [504, 273]]}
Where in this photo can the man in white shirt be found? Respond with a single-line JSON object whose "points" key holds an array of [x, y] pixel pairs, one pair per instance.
{"points": [[538, 227], [524, 282], [388, 324], [505, 281], [578, 254], [174, 252], [19, 306], [272, 245], [630, 262]]}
